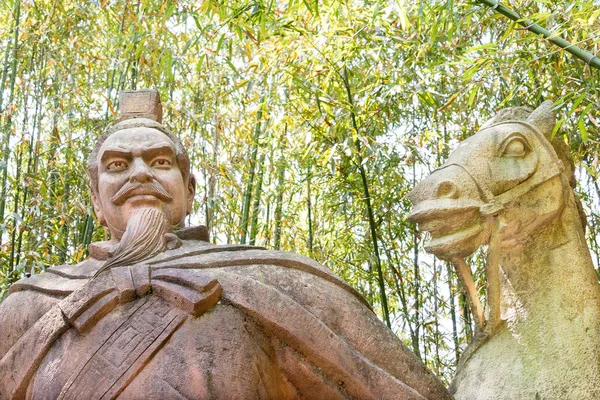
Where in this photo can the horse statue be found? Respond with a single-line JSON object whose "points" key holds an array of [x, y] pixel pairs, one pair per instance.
{"points": [[510, 187]]}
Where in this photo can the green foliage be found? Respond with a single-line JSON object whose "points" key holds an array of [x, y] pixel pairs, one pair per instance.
{"points": [[258, 90]]}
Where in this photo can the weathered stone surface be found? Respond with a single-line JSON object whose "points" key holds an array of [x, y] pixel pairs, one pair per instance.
{"points": [[140, 104], [158, 312], [510, 187], [50, 284], [305, 323], [21, 360]]}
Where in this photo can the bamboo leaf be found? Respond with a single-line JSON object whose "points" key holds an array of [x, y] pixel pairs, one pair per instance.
{"points": [[583, 131]]}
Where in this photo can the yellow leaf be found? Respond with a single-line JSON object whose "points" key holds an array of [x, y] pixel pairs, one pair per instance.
{"points": [[112, 110]]}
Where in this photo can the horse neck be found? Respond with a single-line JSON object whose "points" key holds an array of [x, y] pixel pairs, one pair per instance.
{"points": [[552, 274]]}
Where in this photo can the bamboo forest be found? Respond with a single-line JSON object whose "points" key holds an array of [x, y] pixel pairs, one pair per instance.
{"points": [[307, 123]]}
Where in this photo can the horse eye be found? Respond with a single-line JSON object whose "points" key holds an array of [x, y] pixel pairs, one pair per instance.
{"points": [[516, 147]]}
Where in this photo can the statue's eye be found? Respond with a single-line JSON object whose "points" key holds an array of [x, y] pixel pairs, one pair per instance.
{"points": [[116, 166], [515, 147], [161, 163]]}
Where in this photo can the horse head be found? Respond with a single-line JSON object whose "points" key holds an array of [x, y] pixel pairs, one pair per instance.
{"points": [[496, 181], [510, 186]]}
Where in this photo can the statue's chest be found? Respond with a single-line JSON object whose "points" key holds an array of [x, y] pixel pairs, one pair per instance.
{"points": [[151, 349], [101, 363]]}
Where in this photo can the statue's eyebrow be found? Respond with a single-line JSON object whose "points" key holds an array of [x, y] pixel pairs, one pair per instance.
{"points": [[163, 149], [116, 152], [149, 153]]}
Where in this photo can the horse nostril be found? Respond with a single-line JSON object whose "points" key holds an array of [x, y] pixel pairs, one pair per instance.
{"points": [[447, 190]]}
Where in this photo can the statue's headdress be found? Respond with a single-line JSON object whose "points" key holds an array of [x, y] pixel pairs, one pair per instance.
{"points": [[140, 104]]}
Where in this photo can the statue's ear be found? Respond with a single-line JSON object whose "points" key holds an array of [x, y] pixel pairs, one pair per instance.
{"points": [[544, 118], [191, 193], [98, 209]]}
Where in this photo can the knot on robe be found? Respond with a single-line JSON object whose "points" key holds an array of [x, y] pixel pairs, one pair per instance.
{"points": [[192, 293]]}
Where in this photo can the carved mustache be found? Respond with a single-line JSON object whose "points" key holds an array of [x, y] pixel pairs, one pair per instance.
{"points": [[139, 189]]}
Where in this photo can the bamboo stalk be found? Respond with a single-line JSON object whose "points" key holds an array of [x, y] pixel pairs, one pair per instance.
{"points": [[367, 198], [279, 201], [266, 228], [436, 313], [250, 182], [453, 317], [89, 224], [32, 145], [7, 126], [416, 272], [583, 55], [4, 73], [118, 47], [466, 309], [309, 209], [16, 198], [34, 158], [401, 289], [212, 180], [19, 185], [256, 200]]}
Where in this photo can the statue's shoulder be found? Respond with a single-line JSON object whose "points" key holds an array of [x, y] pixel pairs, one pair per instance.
{"points": [[305, 305], [30, 298], [194, 255], [57, 281]]}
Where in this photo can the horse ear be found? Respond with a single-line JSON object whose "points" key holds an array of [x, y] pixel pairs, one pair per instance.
{"points": [[544, 118]]}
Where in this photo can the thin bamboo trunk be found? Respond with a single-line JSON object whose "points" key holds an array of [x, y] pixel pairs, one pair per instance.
{"points": [[114, 71], [250, 181], [401, 289], [66, 192], [436, 313], [19, 185], [32, 150], [212, 180], [7, 125], [279, 201], [256, 200], [367, 198], [416, 270], [583, 55], [309, 210], [267, 225], [453, 315], [64, 249], [466, 314], [16, 198], [5, 70], [32, 237]]}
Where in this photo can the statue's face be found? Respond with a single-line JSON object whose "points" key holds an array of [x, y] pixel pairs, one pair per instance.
{"points": [[137, 167]]}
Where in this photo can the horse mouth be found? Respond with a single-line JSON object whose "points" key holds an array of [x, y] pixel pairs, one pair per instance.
{"points": [[457, 244], [456, 230]]}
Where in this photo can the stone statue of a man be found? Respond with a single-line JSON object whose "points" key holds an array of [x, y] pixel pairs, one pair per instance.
{"points": [[158, 312]]}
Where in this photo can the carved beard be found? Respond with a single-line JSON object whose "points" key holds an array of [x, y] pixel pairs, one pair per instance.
{"points": [[144, 238]]}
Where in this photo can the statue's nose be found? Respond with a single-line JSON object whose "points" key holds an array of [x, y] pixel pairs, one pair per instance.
{"points": [[434, 187], [141, 173], [449, 182]]}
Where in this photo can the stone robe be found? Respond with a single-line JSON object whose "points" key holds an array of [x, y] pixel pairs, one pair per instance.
{"points": [[201, 321]]}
